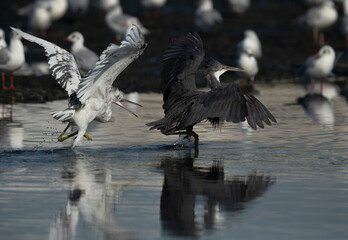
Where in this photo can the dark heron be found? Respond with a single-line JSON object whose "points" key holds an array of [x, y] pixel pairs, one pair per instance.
{"points": [[184, 106]]}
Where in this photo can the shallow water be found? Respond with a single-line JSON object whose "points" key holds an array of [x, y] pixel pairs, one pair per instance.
{"points": [[287, 181]]}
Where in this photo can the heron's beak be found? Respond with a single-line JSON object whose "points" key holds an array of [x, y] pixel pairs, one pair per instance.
{"points": [[234, 69], [66, 39], [119, 103]]}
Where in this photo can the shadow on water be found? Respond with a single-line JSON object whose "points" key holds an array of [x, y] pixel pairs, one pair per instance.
{"points": [[185, 183]]}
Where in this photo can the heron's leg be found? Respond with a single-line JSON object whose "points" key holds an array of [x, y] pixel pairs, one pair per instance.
{"points": [[195, 135], [252, 81]]}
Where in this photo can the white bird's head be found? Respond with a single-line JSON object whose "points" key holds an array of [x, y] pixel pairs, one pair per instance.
{"points": [[326, 51], [250, 34], [116, 97], [75, 37], [205, 5]]}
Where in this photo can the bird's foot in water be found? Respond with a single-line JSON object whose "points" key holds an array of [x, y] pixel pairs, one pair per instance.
{"points": [[195, 135], [182, 140], [87, 137]]}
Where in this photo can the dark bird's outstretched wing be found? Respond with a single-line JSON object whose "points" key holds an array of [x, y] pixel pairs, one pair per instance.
{"points": [[225, 103], [180, 64], [228, 103]]}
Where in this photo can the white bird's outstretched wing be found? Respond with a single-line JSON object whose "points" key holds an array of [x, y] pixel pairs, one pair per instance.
{"points": [[61, 63], [111, 63]]}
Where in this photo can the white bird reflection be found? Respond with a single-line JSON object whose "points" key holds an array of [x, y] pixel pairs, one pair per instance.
{"points": [[319, 106], [185, 185], [11, 132], [90, 196]]}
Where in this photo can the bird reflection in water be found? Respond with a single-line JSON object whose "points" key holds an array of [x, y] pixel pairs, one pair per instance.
{"points": [[185, 184], [90, 196], [319, 105], [12, 133]]}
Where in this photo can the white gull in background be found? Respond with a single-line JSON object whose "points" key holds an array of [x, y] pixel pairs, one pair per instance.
{"points": [[247, 61], [90, 98], [2, 39], [319, 18], [239, 6], [11, 58], [152, 7], [120, 22], [78, 6], [320, 65], [344, 21], [250, 41], [153, 3], [106, 5], [84, 57], [57, 8], [40, 17], [206, 17]]}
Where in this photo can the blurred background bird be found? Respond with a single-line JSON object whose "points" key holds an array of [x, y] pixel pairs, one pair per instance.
{"points": [[11, 58], [85, 58]]}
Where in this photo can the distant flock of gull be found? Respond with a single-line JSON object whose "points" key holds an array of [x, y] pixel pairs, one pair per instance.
{"points": [[88, 79]]}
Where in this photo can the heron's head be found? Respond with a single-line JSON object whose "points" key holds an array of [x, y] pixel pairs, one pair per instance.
{"points": [[75, 37], [214, 69]]}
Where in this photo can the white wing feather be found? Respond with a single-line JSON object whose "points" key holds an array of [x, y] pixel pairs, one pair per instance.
{"points": [[112, 62], [61, 63]]}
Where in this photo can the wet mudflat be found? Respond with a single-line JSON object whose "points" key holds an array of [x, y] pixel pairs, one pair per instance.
{"points": [[283, 182]]}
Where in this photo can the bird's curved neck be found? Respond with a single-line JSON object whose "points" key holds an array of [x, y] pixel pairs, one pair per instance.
{"points": [[213, 80], [77, 45]]}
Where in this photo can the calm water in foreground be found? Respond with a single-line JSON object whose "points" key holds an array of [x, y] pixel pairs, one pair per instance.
{"points": [[287, 181]]}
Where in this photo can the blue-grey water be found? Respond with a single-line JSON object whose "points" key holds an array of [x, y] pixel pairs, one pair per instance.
{"points": [[287, 181]]}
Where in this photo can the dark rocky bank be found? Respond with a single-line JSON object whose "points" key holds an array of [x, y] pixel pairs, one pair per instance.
{"points": [[285, 44]]}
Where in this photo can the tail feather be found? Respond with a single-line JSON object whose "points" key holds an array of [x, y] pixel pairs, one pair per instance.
{"points": [[156, 124], [63, 116]]}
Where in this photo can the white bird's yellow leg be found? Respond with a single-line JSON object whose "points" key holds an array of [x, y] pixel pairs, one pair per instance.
{"points": [[62, 138]]}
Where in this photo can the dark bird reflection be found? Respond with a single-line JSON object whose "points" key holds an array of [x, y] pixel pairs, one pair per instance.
{"points": [[185, 185], [319, 106], [90, 198]]}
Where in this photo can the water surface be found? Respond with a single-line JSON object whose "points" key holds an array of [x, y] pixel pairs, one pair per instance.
{"points": [[287, 181]]}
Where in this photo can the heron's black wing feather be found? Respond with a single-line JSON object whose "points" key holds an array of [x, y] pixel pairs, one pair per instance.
{"points": [[180, 64], [227, 103]]}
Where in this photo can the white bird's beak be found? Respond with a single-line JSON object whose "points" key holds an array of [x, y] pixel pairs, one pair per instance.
{"points": [[119, 103]]}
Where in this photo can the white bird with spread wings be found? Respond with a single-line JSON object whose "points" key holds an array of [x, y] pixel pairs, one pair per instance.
{"points": [[90, 97]]}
